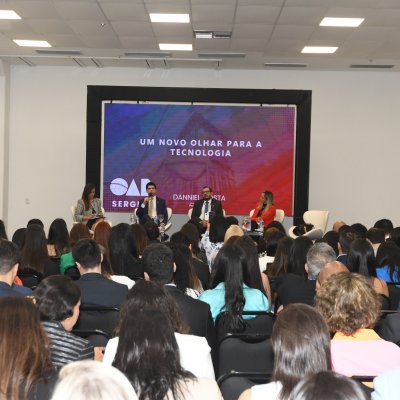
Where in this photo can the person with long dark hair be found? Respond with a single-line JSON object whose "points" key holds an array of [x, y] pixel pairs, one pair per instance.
{"points": [[88, 209], [213, 238], [194, 350], [229, 293], [124, 257], [361, 260], [25, 363], [101, 236], [148, 355], [141, 238], [388, 262], [34, 253], [58, 237], [3, 233], [301, 343]]}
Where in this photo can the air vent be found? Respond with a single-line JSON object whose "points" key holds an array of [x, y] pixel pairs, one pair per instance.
{"points": [[285, 65], [371, 66], [221, 55], [60, 52], [148, 54], [198, 34]]}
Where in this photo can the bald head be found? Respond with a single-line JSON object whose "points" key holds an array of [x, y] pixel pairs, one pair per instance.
{"points": [[330, 268], [337, 225]]}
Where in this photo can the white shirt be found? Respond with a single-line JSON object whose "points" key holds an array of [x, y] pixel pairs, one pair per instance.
{"points": [[124, 280], [203, 215], [268, 391], [194, 351]]}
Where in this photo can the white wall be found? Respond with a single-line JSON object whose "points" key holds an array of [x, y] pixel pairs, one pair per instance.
{"points": [[354, 138]]}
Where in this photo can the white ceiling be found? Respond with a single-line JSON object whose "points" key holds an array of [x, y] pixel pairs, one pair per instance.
{"points": [[263, 31]]}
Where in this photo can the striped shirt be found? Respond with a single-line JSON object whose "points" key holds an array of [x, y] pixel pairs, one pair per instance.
{"points": [[65, 346]]}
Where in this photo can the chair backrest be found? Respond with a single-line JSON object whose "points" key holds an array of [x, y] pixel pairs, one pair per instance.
{"points": [[394, 295], [96, 317], [251, 212], [233, 384], [317, 218], [73, 208], [96, 337], [29, 277], [245, 353], [279, 215], [169, 211], [190, 213], [262, 324]]}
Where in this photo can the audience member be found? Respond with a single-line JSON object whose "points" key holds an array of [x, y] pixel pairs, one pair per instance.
{"points": [[233, 230], [346, 236], [337, 225], [101, 236], [35, 221], [330, 268], [158, 261], [124, 257], [231, 220], [359, 230], [213, 238], [328, 385], [301, 344], [229, 294], [318, 256], [279, 267], [91, 380], [141, 239], [3, 233], [276, 224], [388, 262], [387, 386], [10, 257], [95, 288], [191, 231], [386, 225], [152, 231], [58, 237], [194, 350], [395, 236], [58, 299], [79, 231], [351, 307], [19, 237], [25, 364], [376, 237], [331, 238]]}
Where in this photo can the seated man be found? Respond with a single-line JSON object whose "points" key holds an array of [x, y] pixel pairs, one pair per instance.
{"points": [[205, 208], [9, 261], [95, 288], [151, 206], [158, 260]]}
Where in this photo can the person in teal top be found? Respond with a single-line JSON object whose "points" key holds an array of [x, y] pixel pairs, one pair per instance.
{"points": [[235, 288]]}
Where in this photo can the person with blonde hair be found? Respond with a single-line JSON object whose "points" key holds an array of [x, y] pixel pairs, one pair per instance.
{"points": [[92, 380], [351, 308], [233, 230]]}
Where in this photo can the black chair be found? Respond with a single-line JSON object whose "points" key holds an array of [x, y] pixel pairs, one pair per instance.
{"points": [[245, 353], [388, 327], [261, 324], [394, 295], [234, 383], [385, 302], [97, 317], [73, 273], [30, 277], [96, 337]]}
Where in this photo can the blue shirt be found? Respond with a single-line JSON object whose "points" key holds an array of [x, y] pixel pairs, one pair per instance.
{"points": [[255, 300], [384, 273]]}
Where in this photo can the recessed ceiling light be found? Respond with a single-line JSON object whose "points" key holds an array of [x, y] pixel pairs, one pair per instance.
{"points": [[32, 43], [176, 18], [319, 49], [344, 22], [174, 46], [203, 34], [9, 14]]}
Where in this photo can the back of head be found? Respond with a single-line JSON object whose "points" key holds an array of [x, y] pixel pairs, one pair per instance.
{"points": [[272, 237], [395, 236], [9, 256], [233, 230], [34, 253], [35, 221], [281, 261], [231, 220], [19, 237], [375, 235], [360, 230], [87, 253], [318, 255], [79, 231], [388, 255], [361, 258], [181, 238], [92, 380], [148, 354], [276, 224], [140, 237], [329, 269], [385, 224], [56, 296], [152, 230], [24, 347], [218, 228], [58, 234], [191, 231], [328, 385], [301, 343], [348, 302], [346, 236], [331, 238], [158, 263], [3, 233], [298, 256], [102, 234]]}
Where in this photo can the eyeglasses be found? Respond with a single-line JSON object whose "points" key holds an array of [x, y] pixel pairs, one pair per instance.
{"points": [[205, 191]]}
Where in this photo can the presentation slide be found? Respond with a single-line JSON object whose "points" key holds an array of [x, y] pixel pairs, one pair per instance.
{"points": [[238, 150]]}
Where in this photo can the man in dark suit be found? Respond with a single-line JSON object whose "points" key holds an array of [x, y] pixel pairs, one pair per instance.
{"points": [[205, 209], [151, 206], [158, 261], [95, 288]]}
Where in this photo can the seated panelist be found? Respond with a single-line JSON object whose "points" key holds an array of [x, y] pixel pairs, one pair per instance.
{"points": [[152, 206], [88, 210], [265, 208]]}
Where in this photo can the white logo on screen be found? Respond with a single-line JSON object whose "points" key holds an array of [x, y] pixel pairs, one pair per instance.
{"points": [[120, 187]]}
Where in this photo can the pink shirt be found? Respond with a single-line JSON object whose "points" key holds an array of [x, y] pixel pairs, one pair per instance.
{"points": [[363, 353]]}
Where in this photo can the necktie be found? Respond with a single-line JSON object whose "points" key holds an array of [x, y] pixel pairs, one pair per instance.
{"points": [[206, 207], [151, 207]]}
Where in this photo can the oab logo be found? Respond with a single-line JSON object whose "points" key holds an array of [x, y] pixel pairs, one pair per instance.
{"points": [[120, 187]]}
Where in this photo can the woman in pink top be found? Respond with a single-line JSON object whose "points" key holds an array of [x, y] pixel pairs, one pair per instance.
{"points": [[351, 308]]}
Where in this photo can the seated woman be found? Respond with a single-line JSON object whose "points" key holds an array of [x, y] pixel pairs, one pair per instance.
{"points": [[194, 351], [265, 209], [88, 209], [388, 262], [213, 238], [361, 260], [148, 355], [351, 307], [58, 299], [229, 292], [25, 364], [301, 343]]}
